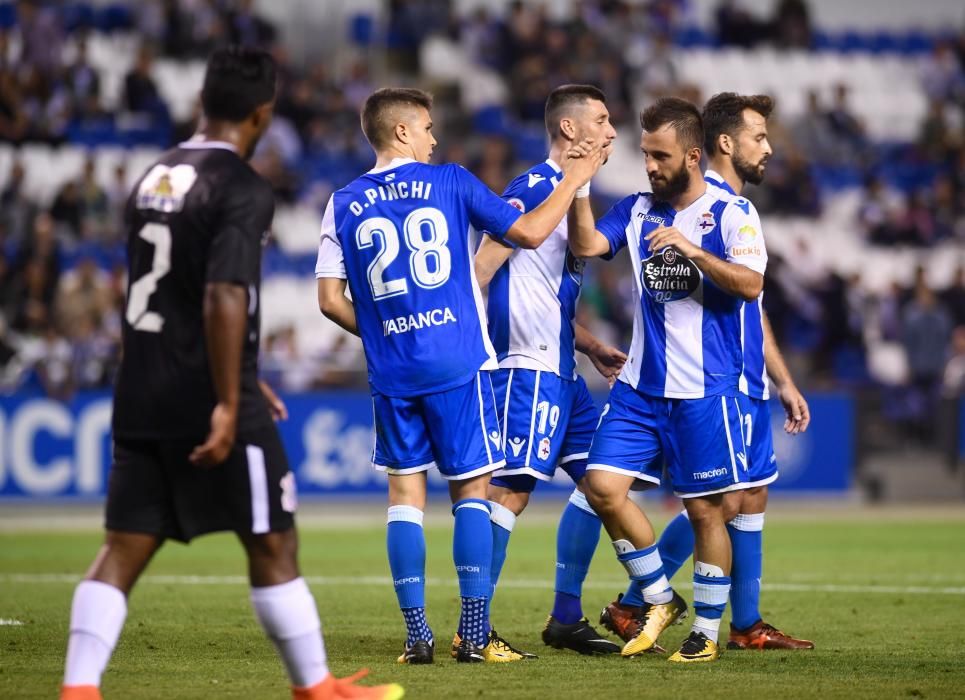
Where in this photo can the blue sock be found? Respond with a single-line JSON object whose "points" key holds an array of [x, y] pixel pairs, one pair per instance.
{"points": [[503, 520], [472, 552], [711, 589], [747, 539], [646, 570], [576, 539], [407, 561], [676, 544]]}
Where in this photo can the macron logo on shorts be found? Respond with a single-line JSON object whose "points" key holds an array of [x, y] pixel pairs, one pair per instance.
{"points": [[711, 473]]}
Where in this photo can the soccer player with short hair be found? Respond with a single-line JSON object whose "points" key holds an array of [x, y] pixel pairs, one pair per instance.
{"points": [[735, 140], [678, 395], [195, 447], [548, 415], [399, 237]]}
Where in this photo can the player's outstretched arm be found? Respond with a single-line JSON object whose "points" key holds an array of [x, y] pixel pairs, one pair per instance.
{"points": [[225, 320], [335, 305], [489, 258], [795, 406], [607, 360], [584, 240], [579, 166], [733, 278]]}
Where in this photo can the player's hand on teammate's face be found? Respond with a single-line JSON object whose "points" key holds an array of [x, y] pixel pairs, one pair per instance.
{"points": [[671, 236], [279, 411], [796, 408], [215, 450], [582, 160], [608, 361]]}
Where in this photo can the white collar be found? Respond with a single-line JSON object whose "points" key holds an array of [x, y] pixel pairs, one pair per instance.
{"points": [[200, 142], [394, 163]]}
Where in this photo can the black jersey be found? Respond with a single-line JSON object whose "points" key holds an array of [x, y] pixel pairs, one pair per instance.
{"points": [[197, 216]]}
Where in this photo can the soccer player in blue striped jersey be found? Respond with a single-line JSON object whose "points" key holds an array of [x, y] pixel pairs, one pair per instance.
{"points": [[399, 238], [737, 148], [678, 395], [547, 414]]}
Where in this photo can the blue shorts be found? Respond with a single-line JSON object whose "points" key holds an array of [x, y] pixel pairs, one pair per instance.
{"points": [[456, 431], [701, 440], [547, 421], [760, 443]]}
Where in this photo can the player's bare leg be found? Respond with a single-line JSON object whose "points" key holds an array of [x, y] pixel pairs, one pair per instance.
{"points": [[750, 631], [633, 539], [712, 562], [99, 609]]}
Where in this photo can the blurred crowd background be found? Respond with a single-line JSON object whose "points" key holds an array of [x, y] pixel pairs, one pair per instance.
{"points": [[863, 204]]}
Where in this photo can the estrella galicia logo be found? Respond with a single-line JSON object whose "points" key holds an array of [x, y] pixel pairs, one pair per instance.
{"points": [[669, 276], [575, 267]]}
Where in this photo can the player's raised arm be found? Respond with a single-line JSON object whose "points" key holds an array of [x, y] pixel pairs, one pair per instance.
{"points": [[584, 240], [489, 258], [534, 227], [225, 320]]}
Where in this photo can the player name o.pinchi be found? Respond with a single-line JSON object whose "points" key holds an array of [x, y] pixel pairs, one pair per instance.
{"points": [[414, 322], [416, 189]]}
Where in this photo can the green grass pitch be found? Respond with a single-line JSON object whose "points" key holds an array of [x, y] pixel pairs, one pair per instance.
{"points": [[881, 594]]}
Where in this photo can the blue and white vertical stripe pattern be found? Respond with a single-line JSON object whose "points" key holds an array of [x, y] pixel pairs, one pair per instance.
{"points": [[753, 381], [686, 341], [533, 296]]}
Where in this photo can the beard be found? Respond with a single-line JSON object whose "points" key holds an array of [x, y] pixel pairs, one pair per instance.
{"points": [[671, 187], [747, 171]]}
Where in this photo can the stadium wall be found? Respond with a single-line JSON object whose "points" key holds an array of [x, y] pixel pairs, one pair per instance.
{"points": [[53, 450]]}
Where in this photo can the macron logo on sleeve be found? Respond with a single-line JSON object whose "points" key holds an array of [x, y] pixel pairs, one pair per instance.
{"points": [[535, 179]]}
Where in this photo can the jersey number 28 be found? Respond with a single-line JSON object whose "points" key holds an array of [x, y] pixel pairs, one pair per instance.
{"points": [[430, 261]]}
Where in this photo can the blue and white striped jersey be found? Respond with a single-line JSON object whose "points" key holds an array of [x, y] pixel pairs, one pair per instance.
{"points": [[686, 331], [402, 235], [532, 297], [753, 381]]}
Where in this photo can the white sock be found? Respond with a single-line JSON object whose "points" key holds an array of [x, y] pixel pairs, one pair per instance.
{"points": [[289, 617], [97, 616]]}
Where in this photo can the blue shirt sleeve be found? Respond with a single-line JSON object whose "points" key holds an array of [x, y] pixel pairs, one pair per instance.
{"points": [[614, 224], [487, 210]]}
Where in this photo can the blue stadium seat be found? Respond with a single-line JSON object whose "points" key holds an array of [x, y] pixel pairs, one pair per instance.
{"points": [[77, 15], [8, 15], [362, 29], [114, 18], [491, 120]]}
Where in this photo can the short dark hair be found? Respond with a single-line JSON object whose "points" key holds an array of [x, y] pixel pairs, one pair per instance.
{"points": [[563, 98], [683, 116], [724, 114], [375, 111], [237, 81]]}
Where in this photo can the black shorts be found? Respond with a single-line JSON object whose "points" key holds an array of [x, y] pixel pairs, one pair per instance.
{"points": [[154, 489]]}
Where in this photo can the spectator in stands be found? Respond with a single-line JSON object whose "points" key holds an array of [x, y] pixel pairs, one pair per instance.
{"points": [[792, 25], [51, 358], [935, 135], [17, 211], [736, 26], [790, 188], [942, 76], [927, 329], [494, 163], [41, 37], [117, 193], [14, 124], [812, 132], [879, 213], [83, 298], [141, 95], [948, 209], [82, 78], [953, 379], [94, 356], [247, 28], [848, 130], [954, 297], [67, 210]]}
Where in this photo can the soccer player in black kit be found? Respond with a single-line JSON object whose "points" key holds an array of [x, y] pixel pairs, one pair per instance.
{"points": [[195, 446]]}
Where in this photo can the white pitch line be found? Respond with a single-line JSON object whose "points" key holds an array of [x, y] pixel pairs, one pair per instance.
{"points": [[507, 583], [7, 622]]}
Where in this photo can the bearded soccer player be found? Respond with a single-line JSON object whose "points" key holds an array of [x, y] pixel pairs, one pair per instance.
{"points": [[399, 238], [548, 416], [678, 395], [738, 150], [195, 447]]}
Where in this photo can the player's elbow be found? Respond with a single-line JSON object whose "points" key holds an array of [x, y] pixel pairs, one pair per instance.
{"points": [[753, 287], [525, 238]]}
